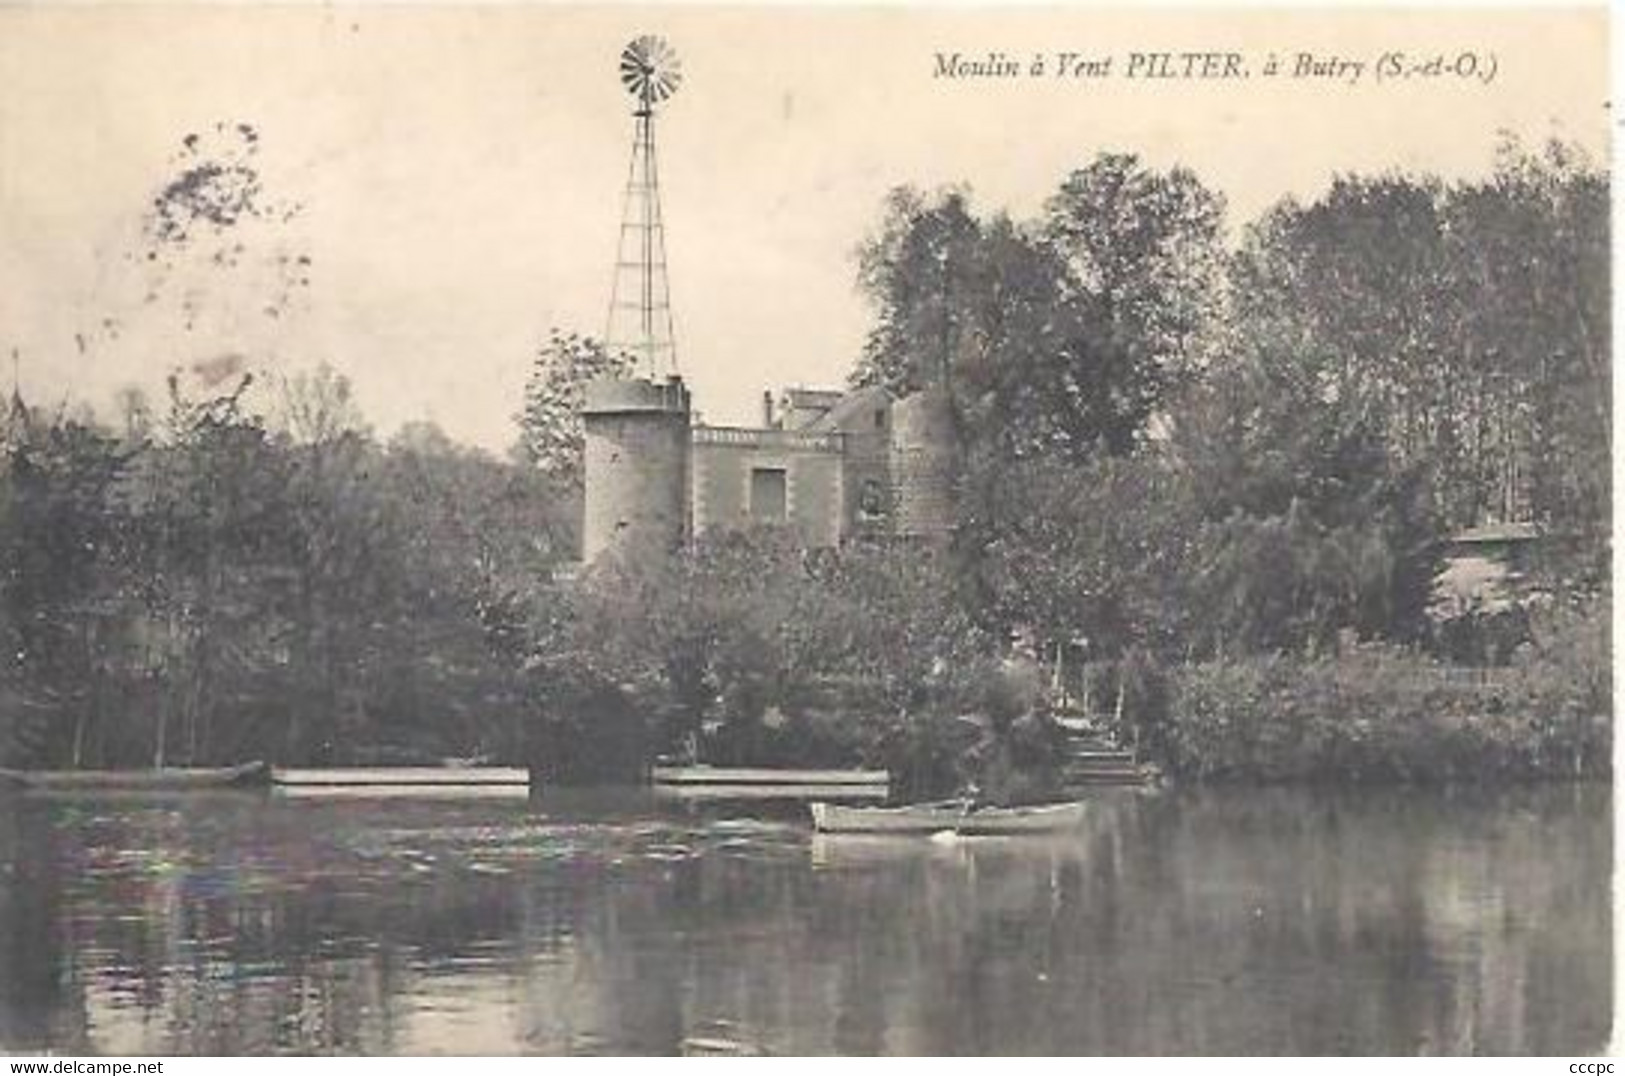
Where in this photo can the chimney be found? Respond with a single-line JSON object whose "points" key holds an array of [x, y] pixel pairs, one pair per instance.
{"points": [[767, 409]]}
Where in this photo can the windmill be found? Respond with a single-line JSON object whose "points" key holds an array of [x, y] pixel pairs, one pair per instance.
{"points": [[640, 299]]}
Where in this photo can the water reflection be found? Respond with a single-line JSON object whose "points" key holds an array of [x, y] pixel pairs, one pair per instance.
{"points": [[1192, 922]]}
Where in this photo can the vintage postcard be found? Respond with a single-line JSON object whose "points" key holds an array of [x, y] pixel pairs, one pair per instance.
{"points": [[803, 530]]}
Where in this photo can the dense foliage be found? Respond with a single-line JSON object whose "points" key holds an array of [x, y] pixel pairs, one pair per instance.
{"points": [[224, 586], [751, 649], [1216, 453], [1376, 713], [1220, 476]]}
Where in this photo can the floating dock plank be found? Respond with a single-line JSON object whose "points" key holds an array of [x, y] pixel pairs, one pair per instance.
{"points": [[425, 777], [175, 779]]}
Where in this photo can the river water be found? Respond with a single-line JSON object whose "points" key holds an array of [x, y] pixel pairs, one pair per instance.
{"points": [[1189, 921]]}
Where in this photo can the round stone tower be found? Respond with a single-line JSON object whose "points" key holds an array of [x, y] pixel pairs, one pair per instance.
{"points": [[636, 467], [923, 464]]}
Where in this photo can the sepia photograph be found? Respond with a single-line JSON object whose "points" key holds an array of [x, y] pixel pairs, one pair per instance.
{"points": [[796, 530]]}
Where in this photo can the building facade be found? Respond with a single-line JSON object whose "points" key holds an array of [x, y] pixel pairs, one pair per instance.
{"points": [[830, 466]]}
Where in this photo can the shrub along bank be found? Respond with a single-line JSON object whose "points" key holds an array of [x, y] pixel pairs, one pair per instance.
{"points": [[1380, 713]]}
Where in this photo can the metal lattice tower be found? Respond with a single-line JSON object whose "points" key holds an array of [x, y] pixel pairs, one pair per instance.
{"points": [[640, 319]]}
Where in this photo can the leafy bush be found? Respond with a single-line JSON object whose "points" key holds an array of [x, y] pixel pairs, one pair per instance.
{"points": [[1380, 713]]}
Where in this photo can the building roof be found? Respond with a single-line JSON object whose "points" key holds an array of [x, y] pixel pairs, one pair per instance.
{"points": [[855, 402], [803, 397]]}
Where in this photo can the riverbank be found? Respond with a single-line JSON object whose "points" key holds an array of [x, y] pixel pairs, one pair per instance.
{"points": [[1365, 713], [1386, 714]]}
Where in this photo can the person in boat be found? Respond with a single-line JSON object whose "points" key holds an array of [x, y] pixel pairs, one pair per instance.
{"points": [[1011, 773], [1008, 766]]}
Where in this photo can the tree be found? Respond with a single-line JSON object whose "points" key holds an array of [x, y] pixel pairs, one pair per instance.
{"points": [[1094, 550], [1063, 336], [473, 543], [550, 431], [748, 640], [213, 533], [61, 570], [1307, 525], [1463, 319], [1145, 259], [1351, 290], [341, 556], [919, 271], [1529, 255]]}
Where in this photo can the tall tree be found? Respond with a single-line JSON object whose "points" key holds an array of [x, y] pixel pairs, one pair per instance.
{"points": [[919, 270], [1530, 262], [1093, 550], [1062, 336], [61, 571], [340, 558], [1307, 524], [215, 532], [1462, 319], [1145, 257]]}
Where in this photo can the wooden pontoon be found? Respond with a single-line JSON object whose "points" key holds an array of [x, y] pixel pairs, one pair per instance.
{"points": [[174, 779]]}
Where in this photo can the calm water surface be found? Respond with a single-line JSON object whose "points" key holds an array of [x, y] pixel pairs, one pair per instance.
{"points": [[1384, 921]]}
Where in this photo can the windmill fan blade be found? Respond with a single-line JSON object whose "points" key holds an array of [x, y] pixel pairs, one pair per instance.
{"points": [[632, 59], [650, 69]]}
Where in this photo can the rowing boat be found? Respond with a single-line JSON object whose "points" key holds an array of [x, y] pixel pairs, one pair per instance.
{"points": [[248, 775], [719, 776], [1008, 821], [954, 816]]}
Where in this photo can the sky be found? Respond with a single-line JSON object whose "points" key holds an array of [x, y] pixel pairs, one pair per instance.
{"points": [[454, 173]]}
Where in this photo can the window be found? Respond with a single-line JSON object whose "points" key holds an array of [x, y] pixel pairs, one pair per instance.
{"points": [[871, 501], [769, 502]]}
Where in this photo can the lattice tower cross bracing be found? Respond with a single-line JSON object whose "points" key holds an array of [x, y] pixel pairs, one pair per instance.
{"points": [[640, 312]]}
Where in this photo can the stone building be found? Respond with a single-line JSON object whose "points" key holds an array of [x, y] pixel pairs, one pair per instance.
{"points": [[829, 465]]}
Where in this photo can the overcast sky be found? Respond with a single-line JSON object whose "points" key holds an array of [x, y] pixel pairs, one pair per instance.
{"points": [[460, 169]]}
